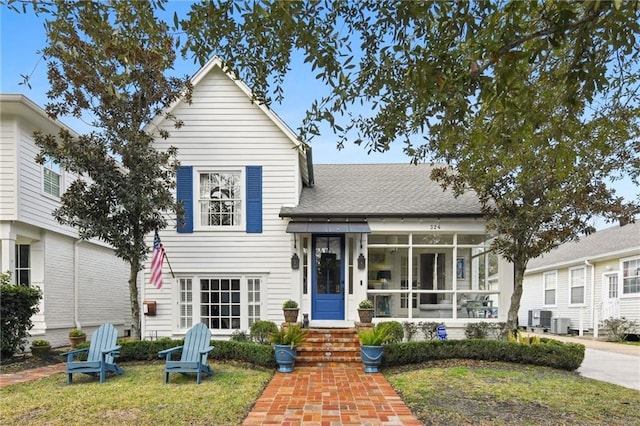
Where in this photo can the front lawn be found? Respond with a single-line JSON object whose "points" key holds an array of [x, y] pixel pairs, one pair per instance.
{"points": [[136, 398]]}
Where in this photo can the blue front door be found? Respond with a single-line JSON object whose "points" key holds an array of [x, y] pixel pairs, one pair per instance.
{"points": [[328, 278]]}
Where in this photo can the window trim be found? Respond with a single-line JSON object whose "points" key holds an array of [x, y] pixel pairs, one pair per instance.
{"points": [[555, 289], [244, 300], [621, 293], [571, 286], [198, 226]]}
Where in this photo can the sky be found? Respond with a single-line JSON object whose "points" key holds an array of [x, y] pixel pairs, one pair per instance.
{"points": [[22, 36]]}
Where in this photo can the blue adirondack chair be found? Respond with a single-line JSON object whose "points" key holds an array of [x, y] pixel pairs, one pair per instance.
{"points": [[195, 349], [100, 355]]}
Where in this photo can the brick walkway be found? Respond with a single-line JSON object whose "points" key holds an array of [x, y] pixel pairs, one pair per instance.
{"points": [[33, 374], [327, 396]]}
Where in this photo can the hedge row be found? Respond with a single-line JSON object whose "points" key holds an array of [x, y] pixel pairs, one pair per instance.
{"points": [[147, 350], [550, 353]]}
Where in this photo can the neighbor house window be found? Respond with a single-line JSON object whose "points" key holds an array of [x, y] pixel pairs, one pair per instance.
{"points": [[220, 303], [576, 286], [631, 276], [51, 178], [23, 264], [550, 282], [220, 199], [186, 303]]}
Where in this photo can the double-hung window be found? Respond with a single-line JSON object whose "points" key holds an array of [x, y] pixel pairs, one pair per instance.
{"points": [[51, 178], [577, 286], [220, 199], [631, 277], [550, 283]]}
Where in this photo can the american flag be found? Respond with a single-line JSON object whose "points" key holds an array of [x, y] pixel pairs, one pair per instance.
{"points": [[156, 262]]}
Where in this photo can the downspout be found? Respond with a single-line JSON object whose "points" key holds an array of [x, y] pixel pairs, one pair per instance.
{"points": [[76, 287], [593, 299]]}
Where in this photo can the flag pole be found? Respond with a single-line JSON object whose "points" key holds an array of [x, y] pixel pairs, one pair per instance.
{"points": [[168, 263]]}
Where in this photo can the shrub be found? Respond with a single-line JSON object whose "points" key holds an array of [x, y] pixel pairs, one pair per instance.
{"points": [[289, 304], [549, 353], [261, 330], [410, 329], [292, 335], [374, 336], [394, 329], [619, 329], [17, 305], [498, 330], [240, 336], [429, 329], [249, 352], [476, 330], [76, 332], [365, 304], [40, 342]]}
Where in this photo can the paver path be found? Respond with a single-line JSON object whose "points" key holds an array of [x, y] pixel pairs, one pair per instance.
{"points": [[330, 396]]}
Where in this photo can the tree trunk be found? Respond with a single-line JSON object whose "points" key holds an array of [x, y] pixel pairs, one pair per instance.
{"points": [[512, 316], [135, 304]]}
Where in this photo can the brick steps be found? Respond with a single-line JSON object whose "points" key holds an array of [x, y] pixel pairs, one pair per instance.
{"points": [[330, 347]]}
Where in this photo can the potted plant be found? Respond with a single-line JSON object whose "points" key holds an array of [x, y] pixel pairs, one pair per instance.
{"points": [[76, 336], [365, 311], [371, 345], [285, 342], [290, 310], [40, 348]]}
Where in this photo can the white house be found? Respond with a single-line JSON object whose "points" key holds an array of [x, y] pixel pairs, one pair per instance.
{"points": [[83, 283], [264, 224], [579, 284]]}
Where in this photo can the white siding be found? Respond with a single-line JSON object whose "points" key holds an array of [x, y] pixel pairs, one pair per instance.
{"points": [[592, 312], [8, 194], [223, 128]]}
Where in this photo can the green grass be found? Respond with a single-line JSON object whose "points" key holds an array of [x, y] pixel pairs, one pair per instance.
{"points": [[138, 397], [471, 392], [443, 392]]}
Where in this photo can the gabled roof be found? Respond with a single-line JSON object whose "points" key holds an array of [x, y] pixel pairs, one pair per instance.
{"points": [[614, 242], [22, 106], [304, 150], [379, 190]]}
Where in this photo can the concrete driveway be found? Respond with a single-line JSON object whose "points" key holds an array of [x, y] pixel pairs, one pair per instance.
{"points": [[610, 362]]}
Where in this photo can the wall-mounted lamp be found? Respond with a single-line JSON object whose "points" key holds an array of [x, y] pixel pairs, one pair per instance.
{"points": [[295, 261], [362, 262]]}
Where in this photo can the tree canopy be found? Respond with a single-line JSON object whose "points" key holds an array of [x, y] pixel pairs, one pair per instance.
{"points": [[532, 105], [106, 63]]}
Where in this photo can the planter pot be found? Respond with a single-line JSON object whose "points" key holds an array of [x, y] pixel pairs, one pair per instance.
{"points": [[75, 341], [371, 358], [41, 351], [290, 314], [366, 315], [285, 357]]}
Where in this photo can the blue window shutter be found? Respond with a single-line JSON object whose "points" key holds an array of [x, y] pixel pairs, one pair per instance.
{"points": [[254, 199], [184, 191]]}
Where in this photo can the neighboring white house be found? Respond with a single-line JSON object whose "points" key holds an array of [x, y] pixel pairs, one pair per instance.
{"points": [[263, 225], [83, 283], [582, 283]]}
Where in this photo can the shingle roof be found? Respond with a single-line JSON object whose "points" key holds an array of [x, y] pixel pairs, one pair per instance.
{"points": [[606, 242], [379, 190]]}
